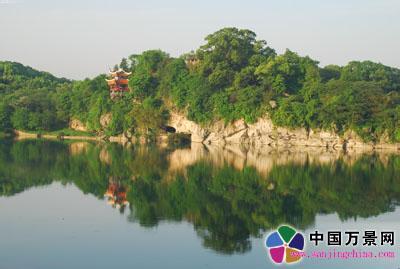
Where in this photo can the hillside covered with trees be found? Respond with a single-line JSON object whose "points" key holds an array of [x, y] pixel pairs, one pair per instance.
{"points": [[232, 76]]}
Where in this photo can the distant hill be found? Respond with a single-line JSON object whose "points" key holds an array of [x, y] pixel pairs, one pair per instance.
{"points": [[27, 98], [14, 70]]}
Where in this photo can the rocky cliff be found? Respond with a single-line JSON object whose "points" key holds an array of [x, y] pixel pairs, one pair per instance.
{"points": [[77, 125], [263, 132]]}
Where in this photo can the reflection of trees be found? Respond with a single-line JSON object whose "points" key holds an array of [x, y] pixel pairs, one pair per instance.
{"points": [[24, 165], [225, 206], [366, 188]]}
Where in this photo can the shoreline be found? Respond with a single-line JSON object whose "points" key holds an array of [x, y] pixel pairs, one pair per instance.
{"points": [[264, 132], [162, 139], [20, 135]]}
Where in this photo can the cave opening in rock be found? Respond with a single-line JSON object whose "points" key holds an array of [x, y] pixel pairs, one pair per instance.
{"points": [[168, 129]]}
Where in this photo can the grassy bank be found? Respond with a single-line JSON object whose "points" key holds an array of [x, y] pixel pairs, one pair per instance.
{"points": [[58, 134], [69, 132]]}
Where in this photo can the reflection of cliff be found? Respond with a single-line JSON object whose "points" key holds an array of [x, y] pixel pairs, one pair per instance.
{"points": [[263, 159], [105, 156], [227, 206], [180, 159], [76, 148], [227, 193]]}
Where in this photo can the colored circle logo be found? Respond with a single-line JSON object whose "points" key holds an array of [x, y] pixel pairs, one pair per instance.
{"points": [[285, 245]]}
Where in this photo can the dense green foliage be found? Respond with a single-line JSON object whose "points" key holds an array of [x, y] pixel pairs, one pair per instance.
{"points": [[28, 98], [226, 206], [233, 75]]}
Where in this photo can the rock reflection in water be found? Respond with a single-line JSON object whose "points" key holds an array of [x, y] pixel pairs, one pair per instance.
{"points": [[265, 158], [229, 194]]}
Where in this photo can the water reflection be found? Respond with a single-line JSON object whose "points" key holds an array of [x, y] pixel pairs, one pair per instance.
{"points": [[116, 195], [228, 194]]}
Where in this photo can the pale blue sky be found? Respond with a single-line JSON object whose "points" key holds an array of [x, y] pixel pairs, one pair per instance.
{"points": [[78, 39]]}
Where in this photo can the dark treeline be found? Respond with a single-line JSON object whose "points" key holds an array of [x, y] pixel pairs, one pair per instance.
{"points": [[233, 75], [226, 206]]}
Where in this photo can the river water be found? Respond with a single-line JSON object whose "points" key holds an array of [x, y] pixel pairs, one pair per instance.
{"points": [[88, 205]]}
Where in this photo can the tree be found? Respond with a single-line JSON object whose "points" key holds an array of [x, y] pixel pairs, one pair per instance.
{"points": [[146, 67], [5, 116], [232, 76], [286, 73], [226, 52], [149, 116], [388, 78], [330, 72], [20, 118], [124, 64], [116, 126]]}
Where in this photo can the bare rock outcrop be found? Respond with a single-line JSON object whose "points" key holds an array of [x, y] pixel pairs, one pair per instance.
{"points": [[77, 125], [105, 120], [263, 132], [185, 126]]}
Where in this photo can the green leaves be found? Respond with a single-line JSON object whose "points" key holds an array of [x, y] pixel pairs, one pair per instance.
{"points": [[386, 77], [146, 72], [227, 52], [232, 76], [5, 116], [287, 73]]}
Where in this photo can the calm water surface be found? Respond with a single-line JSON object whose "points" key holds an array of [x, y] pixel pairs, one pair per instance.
{"points": [[83, 205]]}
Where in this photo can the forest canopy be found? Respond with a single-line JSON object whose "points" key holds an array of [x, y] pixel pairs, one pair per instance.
{"points": [[232, 76]]}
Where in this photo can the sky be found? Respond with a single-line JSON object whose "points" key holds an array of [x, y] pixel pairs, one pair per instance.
{"points": [[83, 38]]}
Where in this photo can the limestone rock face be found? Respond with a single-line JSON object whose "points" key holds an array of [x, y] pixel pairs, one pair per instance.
{"points": [[119, 139], [105, 120], [77, 125], [185, 126], [263, 132], [384, 143], [352, 140]]}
